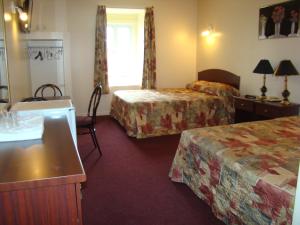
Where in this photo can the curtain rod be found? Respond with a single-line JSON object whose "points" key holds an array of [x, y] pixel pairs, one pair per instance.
{"points": [[123, 8]]}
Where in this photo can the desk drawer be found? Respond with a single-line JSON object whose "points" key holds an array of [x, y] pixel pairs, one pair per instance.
{"points": [[244, 105]]}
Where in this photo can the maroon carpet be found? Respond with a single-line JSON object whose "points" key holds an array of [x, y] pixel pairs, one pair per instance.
{"points": [[129, 184]]}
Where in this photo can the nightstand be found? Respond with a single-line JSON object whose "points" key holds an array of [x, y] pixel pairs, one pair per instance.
{"points": [[251, 109]]}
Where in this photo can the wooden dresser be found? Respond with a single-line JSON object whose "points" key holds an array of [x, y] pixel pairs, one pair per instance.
{"points": [[251, 110], [40, 179]]}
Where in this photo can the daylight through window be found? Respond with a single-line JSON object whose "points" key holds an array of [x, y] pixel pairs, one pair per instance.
{"points": [[125, 38]]}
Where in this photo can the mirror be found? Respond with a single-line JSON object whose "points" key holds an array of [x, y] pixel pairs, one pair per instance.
{"points": [[4, 89], [36, 57], [16, 51]]}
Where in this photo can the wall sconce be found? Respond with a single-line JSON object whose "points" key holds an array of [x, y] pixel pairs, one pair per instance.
{"points": [[210, 31], [23, 16], [23, 12], [7, 17], [210, 35]]}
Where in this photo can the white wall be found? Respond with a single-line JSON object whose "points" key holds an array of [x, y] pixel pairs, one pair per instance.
{"points": [[176, 31], [48, 16], [49, 22], [238, 49]]}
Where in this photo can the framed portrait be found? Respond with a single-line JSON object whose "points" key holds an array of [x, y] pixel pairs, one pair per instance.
{"points": [[280, 20]]}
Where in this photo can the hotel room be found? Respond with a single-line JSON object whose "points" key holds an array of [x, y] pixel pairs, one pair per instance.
{"points": [[158, 112]]}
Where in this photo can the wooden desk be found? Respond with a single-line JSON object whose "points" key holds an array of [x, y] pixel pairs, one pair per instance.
{"points": [[40, 179]]}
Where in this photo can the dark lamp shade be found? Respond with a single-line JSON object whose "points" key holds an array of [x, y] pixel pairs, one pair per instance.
{"points": [[286, 68], [264, 67]]}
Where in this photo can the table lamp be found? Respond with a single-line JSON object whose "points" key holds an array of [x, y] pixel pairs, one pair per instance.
{"points": [[286, 68], [263, 67]]}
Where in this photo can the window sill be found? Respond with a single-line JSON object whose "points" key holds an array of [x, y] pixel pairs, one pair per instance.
{"points": [[129, 87]]}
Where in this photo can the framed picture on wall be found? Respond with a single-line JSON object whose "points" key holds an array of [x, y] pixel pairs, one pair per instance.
{"points": [[280, 20]]}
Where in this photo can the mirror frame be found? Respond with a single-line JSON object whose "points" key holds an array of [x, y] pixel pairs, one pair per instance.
{"points": [[5, 50]]}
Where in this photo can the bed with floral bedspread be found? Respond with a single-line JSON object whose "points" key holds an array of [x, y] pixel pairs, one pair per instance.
{"points": [[246, 172], [146, 113]]}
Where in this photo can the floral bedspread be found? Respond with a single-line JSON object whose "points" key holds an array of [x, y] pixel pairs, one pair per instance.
{"points": [[246, 172], [146, 113]]}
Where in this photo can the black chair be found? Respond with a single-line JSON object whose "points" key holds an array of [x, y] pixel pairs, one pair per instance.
{"points": [[42, 88], [88, 122], [33, 99], [4, 87], [3, 100]]}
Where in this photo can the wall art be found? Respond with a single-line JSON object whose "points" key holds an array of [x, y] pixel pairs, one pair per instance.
{"points": [[279, 20]]}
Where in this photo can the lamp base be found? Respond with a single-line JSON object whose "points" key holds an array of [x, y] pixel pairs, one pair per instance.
{"points": [[263, 93], [262, 98], [285, 102], [263, 90], [285, 95]]}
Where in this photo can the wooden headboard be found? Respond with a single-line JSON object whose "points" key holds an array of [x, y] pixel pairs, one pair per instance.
{"points": [[222, 76]]}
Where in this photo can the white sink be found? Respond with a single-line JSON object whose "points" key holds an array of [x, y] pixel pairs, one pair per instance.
{"points": [[42, 105], [19, 127]]}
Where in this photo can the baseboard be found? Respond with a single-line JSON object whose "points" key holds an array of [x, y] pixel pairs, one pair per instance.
{"points": [[98, 114]]}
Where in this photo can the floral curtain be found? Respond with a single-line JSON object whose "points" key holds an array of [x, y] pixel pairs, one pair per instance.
{"points": [[100, 70], [149, 71]]}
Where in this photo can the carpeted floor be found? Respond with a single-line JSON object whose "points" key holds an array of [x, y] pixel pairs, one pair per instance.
{"points": [[129, 184]]}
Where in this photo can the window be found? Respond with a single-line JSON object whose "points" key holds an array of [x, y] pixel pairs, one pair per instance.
{"points": [[125, 38]]}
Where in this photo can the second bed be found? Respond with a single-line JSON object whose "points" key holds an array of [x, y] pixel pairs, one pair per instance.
{"points": [[206, 102]]}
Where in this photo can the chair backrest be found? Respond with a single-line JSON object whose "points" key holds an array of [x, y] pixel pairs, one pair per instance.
{"points": [[4, 87], [33, 99], [3, 94], [94, 102], [42, 88]]}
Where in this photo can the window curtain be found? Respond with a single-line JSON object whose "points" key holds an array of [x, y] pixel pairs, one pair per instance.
{"points": [[149, 70], [100, 70]]}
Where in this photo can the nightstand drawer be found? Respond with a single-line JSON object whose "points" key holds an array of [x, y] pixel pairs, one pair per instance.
{"points": [[244, 105], [267, 110], [251, 109], [274, 111]]}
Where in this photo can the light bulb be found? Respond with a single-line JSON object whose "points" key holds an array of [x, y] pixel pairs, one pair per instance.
{"points": [[205, 33], [23, 16], [7, 17], [26, 25]]}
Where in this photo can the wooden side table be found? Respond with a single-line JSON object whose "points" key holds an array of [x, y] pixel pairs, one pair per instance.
{"points": [[250, 109]]}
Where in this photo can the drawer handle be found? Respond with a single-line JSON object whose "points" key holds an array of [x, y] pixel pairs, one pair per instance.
{"points": [[242, 104], [265, 110]]}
